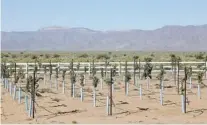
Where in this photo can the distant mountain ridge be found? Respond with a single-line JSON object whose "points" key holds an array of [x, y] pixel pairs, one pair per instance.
{"points": [[55, 38]]}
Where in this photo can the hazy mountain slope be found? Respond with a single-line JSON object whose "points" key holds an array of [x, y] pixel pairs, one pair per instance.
{"points": [[174, 38]]}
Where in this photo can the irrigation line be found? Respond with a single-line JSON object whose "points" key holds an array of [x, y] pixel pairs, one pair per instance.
{"points": [[43, 108]]}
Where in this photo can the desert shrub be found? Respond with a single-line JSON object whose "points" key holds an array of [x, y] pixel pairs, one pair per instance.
{"points": [[4, 55], [26, 55], [200, 55], [33, 57], [41, 55], [114, 56], [83, 55], [135, 58], [179, 59], [102, 56], [189, 55], [13, 56], [172, 55], [47, 56], [56, 56], [152, 55]]}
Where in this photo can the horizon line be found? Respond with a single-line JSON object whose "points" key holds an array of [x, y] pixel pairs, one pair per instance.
{"points": [[47, 28]]}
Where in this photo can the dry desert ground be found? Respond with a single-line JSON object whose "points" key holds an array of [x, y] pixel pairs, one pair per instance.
{"points": [[55, 107]]}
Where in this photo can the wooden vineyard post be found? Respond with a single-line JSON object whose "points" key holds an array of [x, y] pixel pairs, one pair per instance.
{"points": [[111, 94], [125, 78], [63, 84], [135, 68], [139, 69], [50, 74], [89, 68], [134, 72], [178, 77], [119, 68], [3, 74], [82, 78], [57, 76], [105, 68], [33, 85], [102, 75], [161, 78], [45, 71], [93, 68], [58, 65], [95, 83], [15, 74], [35, 65], [182, 82], [185, 90], [85, 70], [71, 68], [113, 76], [206, 68], [175, 71], [27, 70], [33, 95], [190, 77], [73, 81], [172, 68]]}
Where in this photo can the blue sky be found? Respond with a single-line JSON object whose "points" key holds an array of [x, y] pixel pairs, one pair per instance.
{"points": [[29, 15]]}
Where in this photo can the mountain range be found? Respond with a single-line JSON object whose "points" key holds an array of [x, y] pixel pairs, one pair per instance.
{"points": [[167, 38]]}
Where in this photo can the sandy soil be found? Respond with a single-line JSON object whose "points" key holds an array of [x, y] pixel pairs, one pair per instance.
{"points": [[56, 107]]}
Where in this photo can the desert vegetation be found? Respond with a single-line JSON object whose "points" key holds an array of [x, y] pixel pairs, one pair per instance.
{"points": [[99, 56]]}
